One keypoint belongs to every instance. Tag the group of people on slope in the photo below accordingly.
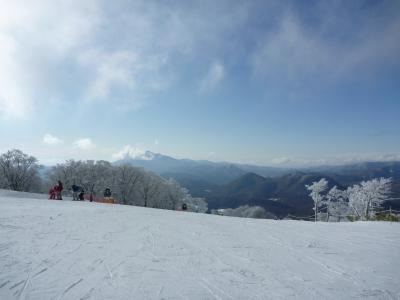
(78, 194)
(55, 191)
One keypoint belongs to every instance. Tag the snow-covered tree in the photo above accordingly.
(19, 171)
(97, 175)
(356, 202)
(366, 197)
(130, 185)
(174, 194)
(246, 211)
(317, 188)
(125, 183)
(196, 204)
(336, 203)
(69, 173)
(149, 188)
(376, 192)
(92, 176)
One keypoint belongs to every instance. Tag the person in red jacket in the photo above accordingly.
(52, 193)
(58, 189)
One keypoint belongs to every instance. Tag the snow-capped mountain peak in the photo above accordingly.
(143, 155)
(129, 152)
(148, 155)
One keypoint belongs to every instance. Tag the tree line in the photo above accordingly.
(360, 201)
(130, 185)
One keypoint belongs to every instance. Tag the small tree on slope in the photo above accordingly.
(366, 197)
(336, 203)
(316, 189)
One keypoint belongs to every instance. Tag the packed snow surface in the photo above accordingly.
(80, 250)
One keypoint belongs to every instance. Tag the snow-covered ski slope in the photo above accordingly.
(78, 250)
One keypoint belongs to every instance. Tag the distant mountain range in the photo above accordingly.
(214, 173)
(280, 191)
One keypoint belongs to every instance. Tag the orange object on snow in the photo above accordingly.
(109, 200)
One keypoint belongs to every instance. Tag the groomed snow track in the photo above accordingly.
(81, 250)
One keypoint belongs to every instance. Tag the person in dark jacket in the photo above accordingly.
(58, 189)
(75, 191)
(107, 192)
(82, 195)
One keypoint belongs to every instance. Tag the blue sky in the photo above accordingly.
(265, 82)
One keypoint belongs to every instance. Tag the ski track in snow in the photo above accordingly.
(81, 250)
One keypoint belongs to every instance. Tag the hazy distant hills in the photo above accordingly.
(278, 195)
(354, 173)
(195, 172)
(287, 194)
(279, 190)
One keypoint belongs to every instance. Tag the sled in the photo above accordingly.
(109, 200)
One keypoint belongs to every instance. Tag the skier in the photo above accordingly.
(82, 195)
(75, 190)
(184, 207)
(58, 189)
(107, 192)
(108, 196)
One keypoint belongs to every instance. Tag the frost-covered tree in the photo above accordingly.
(195, 204)
(376, 192)
(69, 173)
(97, 175)
(317, 188)
(3, 181)
(126, 179)
(149, 189)
(356, 200)
(174, 194)
(92, 176)
(336, 203)
(366, 197)
(246, 211)
(19, 171)
(130, 185)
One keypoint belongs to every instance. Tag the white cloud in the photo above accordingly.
(98, 51)
(122, 77)
(295, 54)
(84, 144)
(282, 160)
(133, 152)
(51, 140)
(13, 100)
(125, 53)
(34, 42)
(335, 160)
(112, 71)
(43, 54)
(128, 151)
(214, 76)
(210, 154)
